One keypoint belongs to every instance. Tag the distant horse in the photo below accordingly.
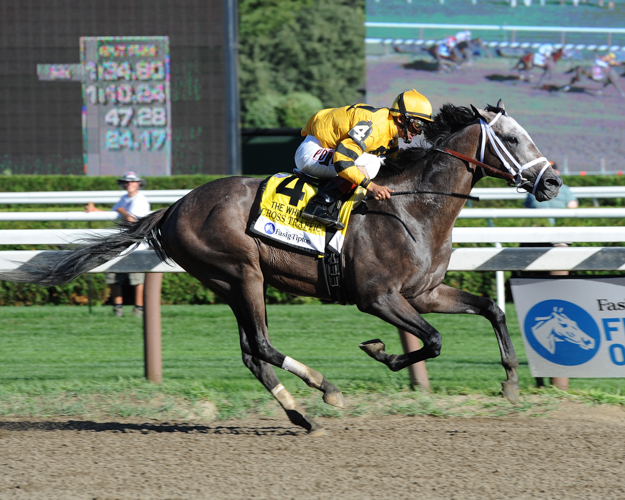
(447, 57)
(529, 61)
(558, 327)
(604, 75)
(395, 254)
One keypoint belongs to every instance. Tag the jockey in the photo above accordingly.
(544, 52)
(601, 66)
(348, 145)
(463, 36)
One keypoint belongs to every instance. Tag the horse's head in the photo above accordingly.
(558, 327)
(564, 328)
(507, 146)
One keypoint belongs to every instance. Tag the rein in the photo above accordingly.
(453, 195)
(497, 172)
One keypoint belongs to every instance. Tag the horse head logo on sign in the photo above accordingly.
(562, 332)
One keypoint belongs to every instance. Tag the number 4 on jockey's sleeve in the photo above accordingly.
(360, 137)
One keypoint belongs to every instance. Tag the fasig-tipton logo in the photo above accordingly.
(270, 228)
(562, 332)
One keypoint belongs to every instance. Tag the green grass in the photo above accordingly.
(65, 361)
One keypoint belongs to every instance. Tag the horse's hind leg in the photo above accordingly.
(297, 415)
(248, 304)
(445, 299)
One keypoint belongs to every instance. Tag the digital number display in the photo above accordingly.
(126, 111)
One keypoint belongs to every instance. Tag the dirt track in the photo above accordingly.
(576, 453)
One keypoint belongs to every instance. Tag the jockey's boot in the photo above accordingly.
(320, 206)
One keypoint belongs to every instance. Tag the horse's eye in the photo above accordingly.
(512, 139)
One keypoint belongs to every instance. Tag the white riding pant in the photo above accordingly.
(313, 159)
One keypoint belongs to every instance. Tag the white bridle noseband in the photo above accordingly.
(519, 181)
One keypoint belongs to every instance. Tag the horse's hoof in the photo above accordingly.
(373, 348)
(335, 399)
(510, 391)
(318, 432)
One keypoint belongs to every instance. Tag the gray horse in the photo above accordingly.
(395, 254)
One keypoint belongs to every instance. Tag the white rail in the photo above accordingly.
(80, 197)
(579, 192)
(494, 27)
(604, 234)
(502, 45)
(462, 259)
(467, 213)
(556, 213)
(58, 216)
(172, 195)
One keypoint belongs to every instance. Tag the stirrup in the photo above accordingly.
(319, 213)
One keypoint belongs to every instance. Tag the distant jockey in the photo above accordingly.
(543, 53)
(349, 145)
(443, 52)
(602, 65)
(463, 36)
(463, 48)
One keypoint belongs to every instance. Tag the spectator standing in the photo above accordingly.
(131, 206)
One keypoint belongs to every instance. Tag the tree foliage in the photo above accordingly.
(292, 48)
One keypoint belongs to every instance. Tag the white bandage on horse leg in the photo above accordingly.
(311, 377)
(370, 162)
(284, 397)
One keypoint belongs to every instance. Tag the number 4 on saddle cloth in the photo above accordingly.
(280, 216)
(280, 219)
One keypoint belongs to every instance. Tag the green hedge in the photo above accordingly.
(28, 183)
(183, 289)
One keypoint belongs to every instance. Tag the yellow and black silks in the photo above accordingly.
(280, 217)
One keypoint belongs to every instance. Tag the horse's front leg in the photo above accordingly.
(445, 299)
(395, 309)
(247, 301)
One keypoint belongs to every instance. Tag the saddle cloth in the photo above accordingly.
(280, 215)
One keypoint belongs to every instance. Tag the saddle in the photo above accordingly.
(331, 263)
(282, 200)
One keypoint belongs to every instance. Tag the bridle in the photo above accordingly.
(515, 171)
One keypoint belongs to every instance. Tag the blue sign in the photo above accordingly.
(562, 332)
(270, 228)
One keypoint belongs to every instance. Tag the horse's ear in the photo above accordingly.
(479, 113)
(500, 104)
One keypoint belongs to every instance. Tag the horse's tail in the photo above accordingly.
(59, 268)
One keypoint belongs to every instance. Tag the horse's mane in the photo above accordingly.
(449, 120)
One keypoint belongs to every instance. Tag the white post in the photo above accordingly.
(512, 3)
(501, 290)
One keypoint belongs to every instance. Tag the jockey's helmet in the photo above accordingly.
(413, 108)
(412, 105)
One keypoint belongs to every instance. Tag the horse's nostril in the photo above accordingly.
(553, 182)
